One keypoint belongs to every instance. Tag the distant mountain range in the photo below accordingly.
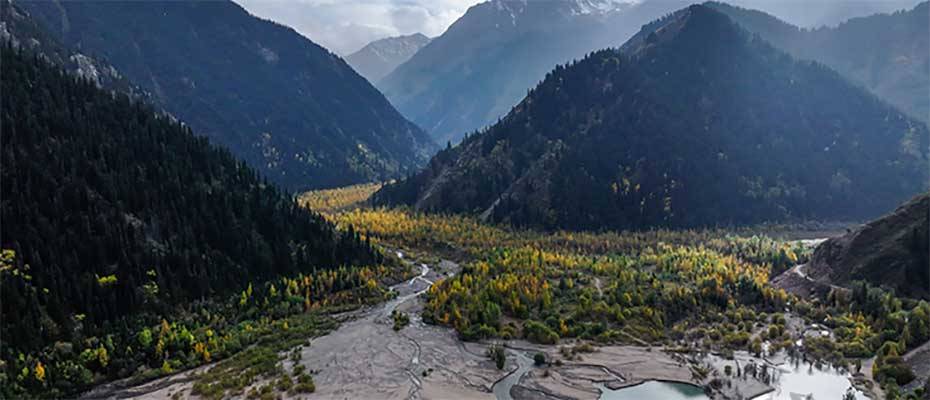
(816, 14)
(485, 62)
(380, 57)
(287, 106)
(482, 66)
(693, 122)
(886, 53)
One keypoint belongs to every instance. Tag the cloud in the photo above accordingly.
(344, 26)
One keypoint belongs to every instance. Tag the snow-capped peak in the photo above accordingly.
(569, 7)
(586, 7)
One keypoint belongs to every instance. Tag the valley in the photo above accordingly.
(591, 345)
(629, 199)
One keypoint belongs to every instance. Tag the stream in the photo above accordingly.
(390, 306)
(502, 387)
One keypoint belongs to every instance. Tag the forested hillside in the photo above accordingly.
(294, 111)
(115, 217)
(886, 53)
(892, 251)
(17, 27)
(695, 122)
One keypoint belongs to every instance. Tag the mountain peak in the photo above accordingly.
(381, 56)
(567, 7)
(697, 24)
(693, 124)
(586, 7)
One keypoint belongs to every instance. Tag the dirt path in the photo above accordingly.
(799, 271)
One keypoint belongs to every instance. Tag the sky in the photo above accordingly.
(344, 26)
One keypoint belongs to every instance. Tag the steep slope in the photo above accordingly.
(892, 251)
(694, 122)
(296, 112)
(17, 27)
(886, 53)
(485, 62)
(379, 58)
(113, 215)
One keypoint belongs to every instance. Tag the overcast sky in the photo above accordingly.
(345, 26)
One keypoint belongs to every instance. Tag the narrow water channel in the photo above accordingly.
(524, 364)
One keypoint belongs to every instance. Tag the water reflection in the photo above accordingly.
(799, 380)
(654, 390)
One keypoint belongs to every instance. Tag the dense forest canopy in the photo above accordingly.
(291, 109)
(693, 122)
(19, 28)
(113, 213)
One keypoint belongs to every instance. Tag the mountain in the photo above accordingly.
(379, 58)
(17, 27)
(886, 53)
(293, 110)
(485, 62)
(892, 251)
(816, 14)
(693, 122)
(114, 214)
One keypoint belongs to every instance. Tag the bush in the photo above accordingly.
(737, 339)
(284, 383)
(305, 384)
(497, 354)
(539, 359)
(401, 319)
(893, 368)
(478, 332)
(537, 332)
(856, 349)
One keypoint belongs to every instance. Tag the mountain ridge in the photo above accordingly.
(281, 102)
(892, 251)
(616, 140)
(380, 57)
(484, 63)
(885, 52)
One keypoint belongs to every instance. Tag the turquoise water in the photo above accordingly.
(655, 390)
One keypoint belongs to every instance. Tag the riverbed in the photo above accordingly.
(366, 358)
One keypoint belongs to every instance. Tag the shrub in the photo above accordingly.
(539, 358)
(401, 319)
(497, 354)
(537, 332)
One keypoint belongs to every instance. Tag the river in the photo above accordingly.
(524, 364)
